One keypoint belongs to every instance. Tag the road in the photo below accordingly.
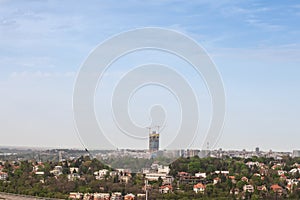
(5, 196)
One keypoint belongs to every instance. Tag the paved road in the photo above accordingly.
(4, 196)
(13, 197)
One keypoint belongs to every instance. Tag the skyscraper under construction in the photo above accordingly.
(153, 141)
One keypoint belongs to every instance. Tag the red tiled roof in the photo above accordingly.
(166, 186)
(276, 187)
(182, 173)
(199, 185)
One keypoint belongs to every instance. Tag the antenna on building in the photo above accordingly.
(158, 129)
(207, 146)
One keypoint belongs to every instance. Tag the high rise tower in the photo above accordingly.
(153, 141)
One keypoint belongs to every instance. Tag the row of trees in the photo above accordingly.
(23, 181)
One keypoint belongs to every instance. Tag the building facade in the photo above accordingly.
(153, 141)
(296, 154)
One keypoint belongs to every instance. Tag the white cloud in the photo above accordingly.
(264, 25)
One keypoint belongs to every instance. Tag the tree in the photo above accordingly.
(240, 184)
(160, 181)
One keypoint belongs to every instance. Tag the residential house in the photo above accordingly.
(73, 177)
(75, 195)
(248, 188)
(74, 170)
(125, 178)
(216, 180)
(164, 189)
(200, 175)
(116, 196)
(235, 191)
(245, 179)
(225, 173)
(232, 178)
(129, 196)
(101, 196)
(101, 174)
(251, 164)
(262, 188)
(277, 189)
(3, 176)
(199, 187)
(57, 170)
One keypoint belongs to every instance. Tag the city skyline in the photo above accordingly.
(254, 45)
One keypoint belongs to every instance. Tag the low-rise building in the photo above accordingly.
(225, 173)
(262, 188)
(164, 189)
(234, 191)
(201, 175)
(75, 195)
(277, 189)
(163, 169)
(232, 178)
(116, 196)
(125, 178)
(245, 179)
(73, 177)
(100, 174)
(74, 170)
(248, 188)
(216, 180)
(3, 176)
(101, 196)
(39, 173)
(294, 170)
(129, 196)
(155, 176)
(296, 153)
(199, 187)
(57, 170)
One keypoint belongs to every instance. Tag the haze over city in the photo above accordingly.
(254, 45)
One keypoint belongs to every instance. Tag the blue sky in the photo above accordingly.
(254, 44)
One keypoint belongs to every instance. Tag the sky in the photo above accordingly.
(255, 45)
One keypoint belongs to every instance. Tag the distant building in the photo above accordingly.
(153, 141)
(39, 173)
(204, 153)
(167, 179)
(277, 189)
(73, 177)
(75, 195)
(296, 154)
(248, 188)
(201, 175)
(199, 188)
(57, 170)
(74, 170)
(3, 176)
(129, 196)
(166, 189)
(101, 174)
(101, 196)
(116, 196)
(257, 150)
(216, 180)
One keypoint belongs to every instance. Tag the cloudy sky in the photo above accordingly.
(255, 46)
